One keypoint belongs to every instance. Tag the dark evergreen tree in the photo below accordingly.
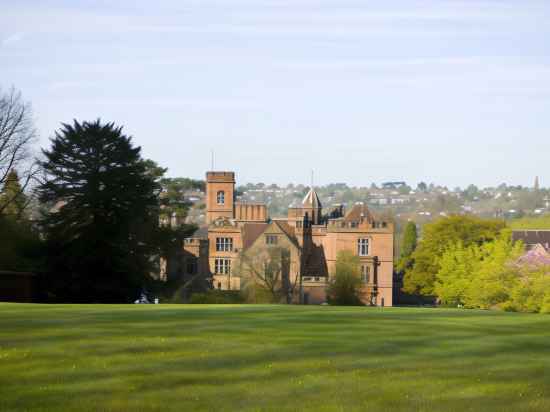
(408, 246)
(102, 231)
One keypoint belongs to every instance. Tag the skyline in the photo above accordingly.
(449, 92)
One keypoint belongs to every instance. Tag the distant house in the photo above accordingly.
(393, 185)
(532, 238)
(537, 246)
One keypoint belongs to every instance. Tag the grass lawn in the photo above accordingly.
(255, 358)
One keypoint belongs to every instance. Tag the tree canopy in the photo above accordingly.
(345, 286)
(104, 215)
(437, 238)
(408, 246)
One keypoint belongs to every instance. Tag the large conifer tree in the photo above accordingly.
(104, 213)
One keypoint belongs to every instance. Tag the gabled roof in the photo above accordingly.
(201, 232)
(287, 230)
(252, 231)
(357, 212)
(312, 200)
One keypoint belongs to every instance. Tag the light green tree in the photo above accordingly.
(478, 276)
(437, 238)
(345, 286)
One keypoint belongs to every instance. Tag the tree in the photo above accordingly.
(20, 246)
(408, 246)
(345, 286)
(13, 195)
(101, 231)
(480, 275)
(17, 136)
(266, 275)
(437, 238)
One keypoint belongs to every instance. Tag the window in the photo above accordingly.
(221, 197)
(363, 247)
(365, 273)
(222, 266)
(354, 224)
(224, 244)
(271, 239)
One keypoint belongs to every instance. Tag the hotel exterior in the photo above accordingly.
(312, 237)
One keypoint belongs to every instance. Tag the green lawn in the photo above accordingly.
(253, 358)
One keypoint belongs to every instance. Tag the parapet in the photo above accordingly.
(223, 177)
(251, 212)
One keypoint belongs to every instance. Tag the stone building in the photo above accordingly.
(313, 238)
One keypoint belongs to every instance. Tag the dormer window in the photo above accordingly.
(221, 197)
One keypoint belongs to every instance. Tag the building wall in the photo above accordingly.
(250, 212)
(216, 182)
(232, 231)
(319, 242)
(380, 246)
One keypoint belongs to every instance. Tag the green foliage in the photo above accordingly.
(345, 285)
(478, 276)
(102, 235)
(437, 238)
(12, 198)
(531, 291)
(215, 296)
(527, 223)
(408, 246)
(173, 198)
(20, 246)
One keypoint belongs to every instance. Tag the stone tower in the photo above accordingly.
(220, 195)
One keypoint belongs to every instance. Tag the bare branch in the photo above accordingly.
(17, 137)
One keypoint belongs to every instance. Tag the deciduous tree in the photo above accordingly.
(17, 138)
(345, 286)
(437, 238)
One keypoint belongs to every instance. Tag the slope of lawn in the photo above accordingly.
(255, 358)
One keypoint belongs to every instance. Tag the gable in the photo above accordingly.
(274, 228)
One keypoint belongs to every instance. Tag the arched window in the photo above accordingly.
(221, 197)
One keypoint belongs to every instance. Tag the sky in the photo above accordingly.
(444, 91)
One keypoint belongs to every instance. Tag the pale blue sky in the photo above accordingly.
(452, 92)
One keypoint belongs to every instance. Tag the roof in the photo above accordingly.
(252, 231)
(201, 232)
(533, 237)
(287, 230)
(312, 200)
(358, 211)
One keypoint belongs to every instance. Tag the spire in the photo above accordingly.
(312, 200)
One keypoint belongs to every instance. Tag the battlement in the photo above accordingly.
(222, 177)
